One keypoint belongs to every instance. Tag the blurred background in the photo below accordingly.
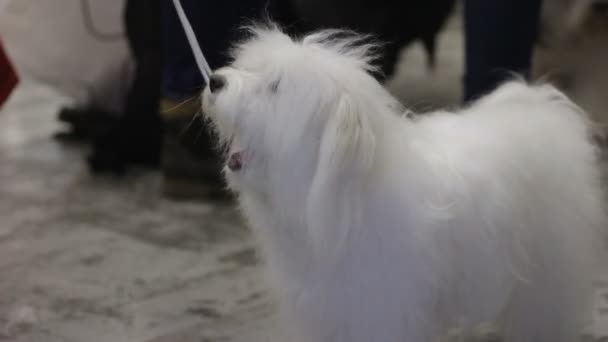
(114, 222)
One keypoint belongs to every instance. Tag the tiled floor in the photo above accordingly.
(86, 259)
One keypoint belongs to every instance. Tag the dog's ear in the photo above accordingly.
(346, 158)
(348, 143)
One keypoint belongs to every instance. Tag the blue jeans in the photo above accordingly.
(215, 24)
(500, 37)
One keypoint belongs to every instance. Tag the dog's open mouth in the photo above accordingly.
(235, 161)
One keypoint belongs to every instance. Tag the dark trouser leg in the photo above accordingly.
(135, 138)
(181, 77)
(191, 166)
(142, 120)
(500, 36)
(216, 24)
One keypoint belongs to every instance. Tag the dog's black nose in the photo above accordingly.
(216, 82)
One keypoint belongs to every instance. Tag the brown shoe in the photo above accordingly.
(190, 163)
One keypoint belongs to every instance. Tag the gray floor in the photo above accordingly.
(102, 259)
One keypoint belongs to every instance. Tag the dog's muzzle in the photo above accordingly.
(216, 83)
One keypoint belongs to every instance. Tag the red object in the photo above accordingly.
(8, 77)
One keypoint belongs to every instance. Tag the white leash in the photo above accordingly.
(203, 66)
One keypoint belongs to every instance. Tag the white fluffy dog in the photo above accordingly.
(377, 227)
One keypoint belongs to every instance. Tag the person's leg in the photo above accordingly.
(8, 76)
(500, 36)
(135, 137)
(216, 24)
(191, 166)
(181, 77)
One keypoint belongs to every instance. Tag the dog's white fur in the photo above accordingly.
(377, 227)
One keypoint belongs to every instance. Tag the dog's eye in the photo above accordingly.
(274, 86)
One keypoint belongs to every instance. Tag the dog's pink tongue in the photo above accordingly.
(235, 161)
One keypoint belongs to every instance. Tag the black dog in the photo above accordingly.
(395, 22)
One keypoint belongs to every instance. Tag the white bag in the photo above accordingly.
(50, 41)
